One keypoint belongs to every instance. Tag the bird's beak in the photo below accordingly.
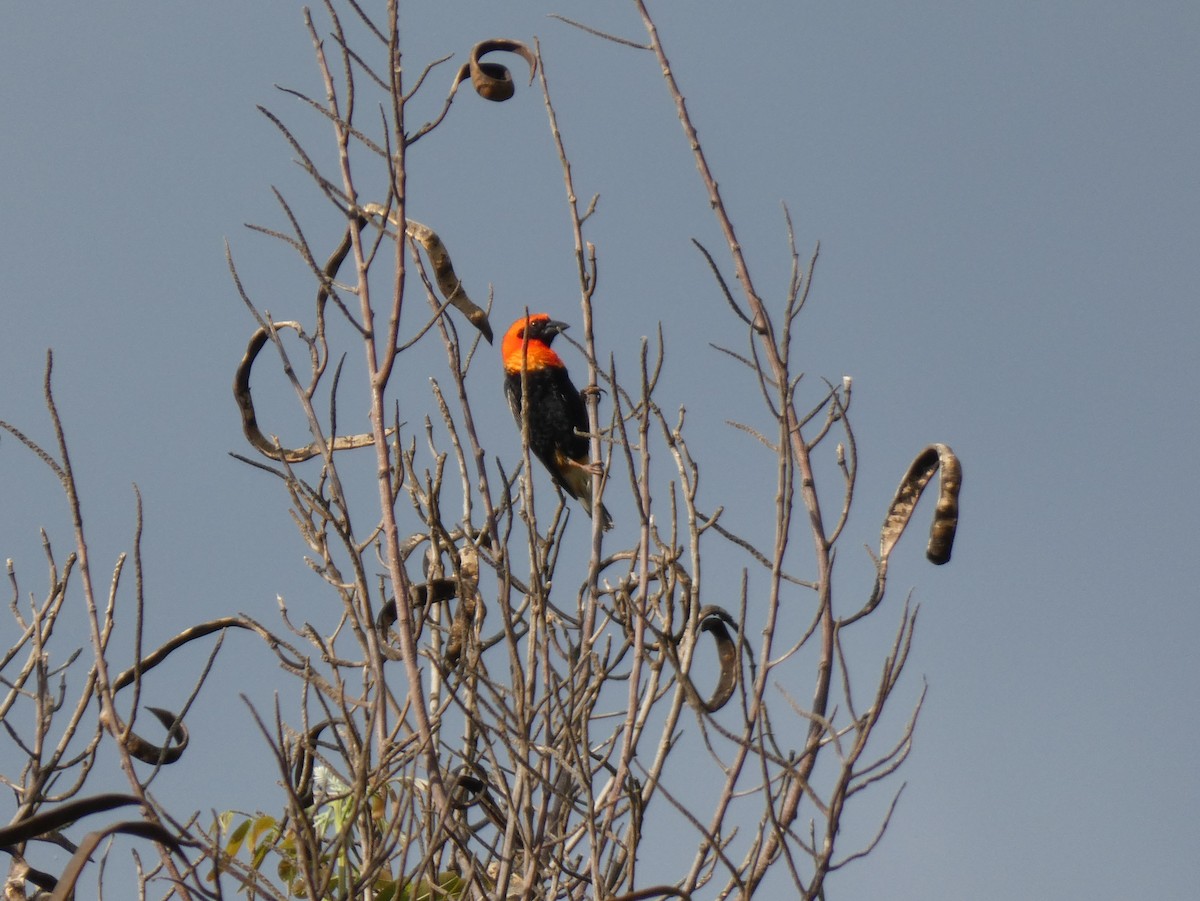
(555, 327)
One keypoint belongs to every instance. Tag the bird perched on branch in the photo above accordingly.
(557, 415)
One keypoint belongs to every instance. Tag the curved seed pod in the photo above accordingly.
(200, 630)
(48, 821)
(137, 828)
(448, 282)
(245, 402)
(715, 621)
(492, 81)
(435, 591)
(945, 516)
(20, 872)
(468, 605)
(302, 770)
(655, 891)
(469, 786)
(148, 752)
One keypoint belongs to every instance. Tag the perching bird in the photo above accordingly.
(557, 414)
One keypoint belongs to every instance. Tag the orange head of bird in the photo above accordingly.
(529, 338)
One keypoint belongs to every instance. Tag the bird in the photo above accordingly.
(557, 415)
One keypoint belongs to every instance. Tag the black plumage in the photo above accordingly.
(558, 420)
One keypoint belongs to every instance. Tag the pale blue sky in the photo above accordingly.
(1008, 206)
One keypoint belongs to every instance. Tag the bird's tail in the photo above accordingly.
(576, 478)
(583, 491)
(606, 521)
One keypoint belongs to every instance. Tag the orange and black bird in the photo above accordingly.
(557, 415)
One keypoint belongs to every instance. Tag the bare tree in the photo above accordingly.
(488, 718)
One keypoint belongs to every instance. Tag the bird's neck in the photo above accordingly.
(538, 355)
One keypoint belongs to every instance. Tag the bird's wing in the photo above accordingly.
(512, 393)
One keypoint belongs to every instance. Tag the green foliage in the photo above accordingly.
(338, 822)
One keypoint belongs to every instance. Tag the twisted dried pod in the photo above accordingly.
(65, 889)
(245, 401)
(493, 81)
(945, 515)
(30, 827)
(470, 786)
(302, 770)
(464, 586)
(435, 591)
(62, 887)
(448, 282)
(148, 752)
(716, 622)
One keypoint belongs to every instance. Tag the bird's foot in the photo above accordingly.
(592, 469)
(590, 390)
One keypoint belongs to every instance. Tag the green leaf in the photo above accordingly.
(234, 845)
(263, 824)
